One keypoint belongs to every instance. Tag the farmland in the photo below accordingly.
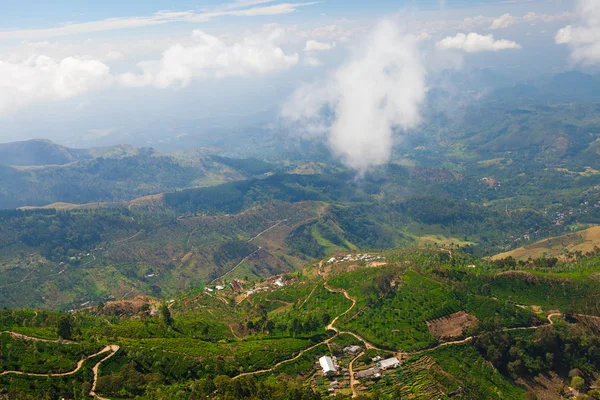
(276, 331)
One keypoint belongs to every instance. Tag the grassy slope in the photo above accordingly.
(583, 241)
(211, 334)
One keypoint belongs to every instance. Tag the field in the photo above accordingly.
(584, 241)
(452, 325)
(457, 329)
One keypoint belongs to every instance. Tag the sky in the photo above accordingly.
(86, 73)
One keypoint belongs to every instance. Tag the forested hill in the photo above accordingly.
(38, 152)
(159, 246)
(115, 174)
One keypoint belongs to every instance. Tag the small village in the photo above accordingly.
(333, 373)
(355, 258)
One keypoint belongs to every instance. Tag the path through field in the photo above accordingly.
(113, 349)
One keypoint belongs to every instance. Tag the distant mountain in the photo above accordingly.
(39, 172)
(571, 86)
(39, 152)
(575, 86)
(574, 80)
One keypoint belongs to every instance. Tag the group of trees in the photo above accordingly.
(61, 235)
(550, 348)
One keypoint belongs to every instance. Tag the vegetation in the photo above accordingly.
(226, 344)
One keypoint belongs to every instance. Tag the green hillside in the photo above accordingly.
(263, 337)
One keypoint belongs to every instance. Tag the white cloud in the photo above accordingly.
(209, 57)
(376, 92)
(245, 3)
(535, 17)
(312, 61)
(507, 20)
(583, 37)
(423, 36)
(504, 21)
(474, 22)
(340, 32)
(474, 42)
(313, 45)
(44, 78)
(32, 76)
(159, 18)
(114, 56)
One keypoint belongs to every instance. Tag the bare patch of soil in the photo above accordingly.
(452, 325)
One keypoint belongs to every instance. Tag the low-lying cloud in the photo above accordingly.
(583, 37)
(474, 42)
(377, 92)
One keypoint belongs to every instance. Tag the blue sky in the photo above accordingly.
(70, 63)
(42, 14)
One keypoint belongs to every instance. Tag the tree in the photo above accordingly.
(577, 383)
(64, 328)
(166, 315)
(270, 326)
(295, 327)
(145, 313)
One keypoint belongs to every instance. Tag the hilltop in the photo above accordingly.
(563, 246)
(38, 173)
(38, 152)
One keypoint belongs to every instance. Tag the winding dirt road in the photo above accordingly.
(353, 381)
(469, 338)
(113, 349)
(24, 337)
(262, 371)
(331, 327)
(267, 230)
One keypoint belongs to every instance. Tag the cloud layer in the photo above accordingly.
(378, 91)
(42, 78)
(37, 78)
(584, 37)
(212, 58)
(474, 42)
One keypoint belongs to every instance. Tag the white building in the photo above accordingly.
(327, 365)
(389, 363)
(354, 349)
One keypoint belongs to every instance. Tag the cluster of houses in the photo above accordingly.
(332, 370)
(329, 365)
(357, 257)
(375, 372)
(237, 286)
(277, 282)
(354, 349)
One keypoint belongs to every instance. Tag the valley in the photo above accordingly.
(465, 267)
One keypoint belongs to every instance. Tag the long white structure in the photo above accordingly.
(327, 365)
